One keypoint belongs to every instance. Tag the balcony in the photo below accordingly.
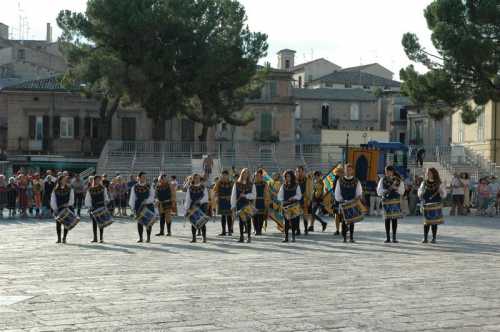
(267, 136)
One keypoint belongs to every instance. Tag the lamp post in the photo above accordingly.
(346, 157)
(364, 137)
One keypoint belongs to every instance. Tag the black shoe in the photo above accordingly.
(433, 241)
(241, 240)
(230, 234)
(64, 241)
(387, 241)
(102, 241)
(293, 240)
(395, 241)
(204, 240)
(345, 240)
(169, 234)
(337, 233)
(193, 241)
(249, 240)
(160, 234)
(425, 241)
(58, 241)
(285, 241)
(352, 241)
(298, 233)
(139, 241)
(93, 241)
(148, 240)
(222, 234)
(323, 227)
(310, 229)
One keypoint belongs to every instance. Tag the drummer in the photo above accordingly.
(62, 197)
(165, 204)
(197, 197)
(290, 193)
(391, 187)
(262, 201)
(432, 190)
(142, 194)
(242, 195)
(348, 188)
(97, 197)
(222, 190)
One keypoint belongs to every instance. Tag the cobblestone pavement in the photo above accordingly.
(315, 284)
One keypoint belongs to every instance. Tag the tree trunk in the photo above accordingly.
(204, 133)
(106, 113)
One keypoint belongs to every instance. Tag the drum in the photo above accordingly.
(247, 212)
(351, 211)
(392, 208)
(197, 217)
(433, 214)
(67, 218)
(292, 211)
(102, 217)
(146, 216)
(165, 207)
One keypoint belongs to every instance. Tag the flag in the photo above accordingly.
(329, 181)
(274, 211)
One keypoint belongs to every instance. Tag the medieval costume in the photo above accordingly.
(347, 189)
(391, 188)
(222, 191)
(142, 195)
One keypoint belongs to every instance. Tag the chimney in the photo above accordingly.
(49, 33)
(4, 31)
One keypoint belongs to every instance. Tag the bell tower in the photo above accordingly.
(286, 59)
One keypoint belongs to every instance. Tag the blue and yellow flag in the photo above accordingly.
(329, 181)
(275, 209)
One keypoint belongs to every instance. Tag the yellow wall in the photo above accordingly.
(355, 136)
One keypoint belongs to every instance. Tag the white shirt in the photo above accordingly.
(149, 200)
(281, 194)
(250, 196)
(457, 187)
(88, 198)
(338, 191)
(204, 199)
(381, 191)
(53, 200)
(442, 190)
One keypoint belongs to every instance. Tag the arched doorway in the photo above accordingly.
(362, 168)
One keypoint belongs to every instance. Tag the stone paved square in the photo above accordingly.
(316, 284)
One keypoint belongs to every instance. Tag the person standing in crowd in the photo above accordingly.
(3, 194)
(262, 201)
(12, 197)
(174, 183)
(22, 188)
(375, 200)
(223, 189)
(48, 188)
(97, 197)
(305, 183)
(289, 194)
(494, 190)
(464, 177)
(79, 189)
(62, 197)
(484, 196)
(339, 173)
(242, 195)
(164, 202)
(208, 165)
(420, 157)
(29, 192)
(197, 197)
(432, 190)
(458, 193)
(317, 201)
(142, 195)
(348, 188)
(37, 194)
(391, 187)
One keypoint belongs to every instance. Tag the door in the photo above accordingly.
(187, 133)
(128, 129)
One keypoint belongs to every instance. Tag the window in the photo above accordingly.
(287, 64)
(480, 126)
(21, 55)
(298, 112)
(354, 112)
(460, 130)
(274, 89)
(266, 124)
(325, 116)
(67, 128)
(402, 138)
(403, 114)
(348, 85)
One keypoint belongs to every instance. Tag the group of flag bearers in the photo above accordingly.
(300, 196)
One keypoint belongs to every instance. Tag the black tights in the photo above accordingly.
(258, 223)
(163, 221)
(140, 230)
(58, 230)
(226, 220)
(344, 230)
(434, 231)
(294, 225)
(203, 232)
(388, 228)
(245, 225)
(94, 230)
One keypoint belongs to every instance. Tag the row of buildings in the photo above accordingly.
(313, 103)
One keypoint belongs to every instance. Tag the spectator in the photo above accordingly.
(11, 196)
(494, 190)
(464, 177)
(208, 165)
(3, 194)
(458, 193)
(79, 191)
(484, 194)
(420, 157)
(375, 199)
(174, 183)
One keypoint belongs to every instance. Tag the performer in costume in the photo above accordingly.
(96, 197)
(290, 194)
(347, 189)
(317, 201)
(3, 194)
(262, 201)
(197, 196)
(11, 194)
(391, 187)
(222, 191)
(242, 195)
(306, 189)
(62, 197)
(164, 202)
(142, 194)
(37, 194)
(48, 188)
(432, 190)
(339, 172)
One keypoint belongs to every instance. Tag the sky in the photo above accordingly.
(346, 32)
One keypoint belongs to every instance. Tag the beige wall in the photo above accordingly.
(317, 69)
(355, 137)
(378, 70)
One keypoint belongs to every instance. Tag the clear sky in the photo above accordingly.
(346, 32)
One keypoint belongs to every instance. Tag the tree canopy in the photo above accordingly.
(193, 58)
(466, 35)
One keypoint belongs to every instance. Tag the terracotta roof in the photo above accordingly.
(357, 78)
(334, 94)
